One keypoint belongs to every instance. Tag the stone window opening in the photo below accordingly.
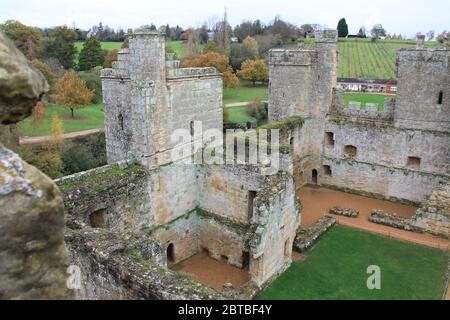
(441, 97)
(414, 162)
(192, 129)
(97, 219)
(327, 171)
(329, 139)
(350, 151)
(170, 253)
(314, 176)
(224, 258)
(245, 259)
(291, 141)
(121, 121)
(205, 251)
(251, 199)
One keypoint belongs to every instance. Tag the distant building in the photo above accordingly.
(365, 85)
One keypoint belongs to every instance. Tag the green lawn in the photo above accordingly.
(366, 98)
(239, 115)
(87, 118)
(336, 269)
(245, 92)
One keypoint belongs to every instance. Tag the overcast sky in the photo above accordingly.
(397, 16)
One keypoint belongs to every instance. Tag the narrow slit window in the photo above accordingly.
(440, 97)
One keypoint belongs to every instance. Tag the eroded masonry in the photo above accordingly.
(131, 220)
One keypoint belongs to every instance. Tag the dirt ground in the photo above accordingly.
(318, 201)
(211, 272)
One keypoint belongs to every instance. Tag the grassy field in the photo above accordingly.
(336, 269)
(366, 98)
(245, 92)
(87, 118)
(239, 115)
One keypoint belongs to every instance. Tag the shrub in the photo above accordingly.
(257, 110)
(93, 83)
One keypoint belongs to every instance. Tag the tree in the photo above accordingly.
(377, 31)
(216, 60)
(210, 46)
(362, 33)
(93, 83)
(56, 140)
(222, 36)
(46, 71)
(254, 70)
(71, 92)
(61, 45)
(193, 44)
(252, 47)
(38, 114)
(342, 28)
(27, 39)
(91, 55)
(111, 56)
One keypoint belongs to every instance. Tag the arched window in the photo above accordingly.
(314, 176)
(170, 253)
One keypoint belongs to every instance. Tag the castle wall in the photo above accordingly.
(224, 190)
(277, 217)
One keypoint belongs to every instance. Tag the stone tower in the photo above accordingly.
(423, 98)
(148, 96)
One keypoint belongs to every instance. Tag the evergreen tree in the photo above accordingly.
(342, 28)
(91, 55)
(61, 45)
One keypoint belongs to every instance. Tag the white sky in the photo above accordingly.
(397, 16)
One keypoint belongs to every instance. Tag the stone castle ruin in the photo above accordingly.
(130, 221)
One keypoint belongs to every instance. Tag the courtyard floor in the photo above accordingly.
(211, 272)
(317, 202)
(337, 268)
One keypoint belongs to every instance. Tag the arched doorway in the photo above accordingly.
(314, 176)
(170, 253)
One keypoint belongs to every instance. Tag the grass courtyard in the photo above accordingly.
(365, 98)
(239, 115)
(336, 268)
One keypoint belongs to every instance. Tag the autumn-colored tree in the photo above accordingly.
(71, 92)
(46, 71)
(55, 143)
(210, 46)
(216, 60)
(251, 46)
(27, 39)
(38, 114)
(254, 70)
(110, 58)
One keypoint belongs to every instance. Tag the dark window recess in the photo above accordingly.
(314, 176)
(121, 121)
(441, 97)
(329, 139)
(414, 162)
(170, 253)
(97, 218)
(327, 171)
(192, 129)
(291, 141)
(350, 151)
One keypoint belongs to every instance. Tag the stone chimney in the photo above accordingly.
(420, 44)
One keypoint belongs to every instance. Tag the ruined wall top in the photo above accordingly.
(326, 35)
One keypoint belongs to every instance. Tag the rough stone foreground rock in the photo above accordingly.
(344, 212)
(306, 238)
(392, 220)
(33, 256)
(21, 87)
